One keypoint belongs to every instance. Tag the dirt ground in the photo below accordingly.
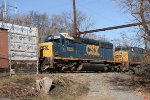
(114, 86)
(76, 86)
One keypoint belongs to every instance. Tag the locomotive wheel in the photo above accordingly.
(42, 67)
(73, 69)
(105, 69)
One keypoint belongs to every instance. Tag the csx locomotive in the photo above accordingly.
(61, 52)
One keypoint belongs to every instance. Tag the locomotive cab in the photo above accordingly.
(121, 56)
(46, 52)
(49, 49)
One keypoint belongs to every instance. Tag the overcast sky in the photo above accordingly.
(103, 13)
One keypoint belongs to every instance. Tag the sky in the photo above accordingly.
(104, 13)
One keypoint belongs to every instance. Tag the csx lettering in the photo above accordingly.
(44, 47)
(92, 50)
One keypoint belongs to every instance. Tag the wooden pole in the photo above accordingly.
(75, 18)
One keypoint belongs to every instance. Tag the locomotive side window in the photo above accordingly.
(57, 40)
(48, 39)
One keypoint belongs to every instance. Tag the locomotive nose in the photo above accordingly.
(46, 56)
(46, 50)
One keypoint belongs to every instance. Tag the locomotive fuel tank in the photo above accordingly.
(92, 67)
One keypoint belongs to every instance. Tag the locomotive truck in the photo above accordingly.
(62, 52)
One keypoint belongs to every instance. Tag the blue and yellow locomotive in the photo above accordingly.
(62, 52)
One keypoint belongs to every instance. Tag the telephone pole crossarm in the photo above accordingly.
(114, 27)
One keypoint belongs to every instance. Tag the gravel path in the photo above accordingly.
(102, 89)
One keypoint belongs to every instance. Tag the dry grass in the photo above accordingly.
(23, 87)
(133, 82)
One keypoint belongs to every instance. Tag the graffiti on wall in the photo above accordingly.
(22, 42)
(23, 56)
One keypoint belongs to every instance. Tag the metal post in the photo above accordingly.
(37, 63)
(5, 10)
(9, 51)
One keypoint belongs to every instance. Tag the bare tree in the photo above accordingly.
(132, 40)
(140, 10)
(64, 22)
(52, 24)
(83, 22)
(33, 19)
(95, 37)
(57, 24)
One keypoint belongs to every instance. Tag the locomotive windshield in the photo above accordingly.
(47, 39)
(51, 38)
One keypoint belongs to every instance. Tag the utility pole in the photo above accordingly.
(75, 18)
(5, 10)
